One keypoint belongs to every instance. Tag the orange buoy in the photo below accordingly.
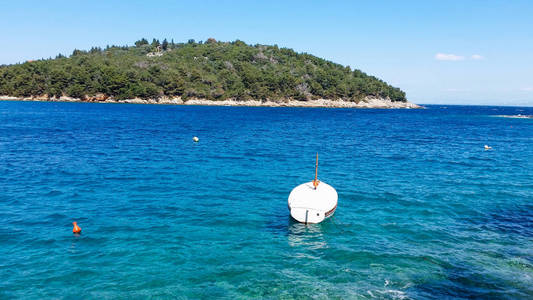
(76, 229)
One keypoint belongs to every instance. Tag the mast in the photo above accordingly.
(315, 182)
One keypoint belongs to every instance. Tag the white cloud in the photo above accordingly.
(527, 89)
(455, 57)
(448, 57)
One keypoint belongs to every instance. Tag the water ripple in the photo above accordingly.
(424, 211)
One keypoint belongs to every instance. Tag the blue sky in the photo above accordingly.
(456, 52)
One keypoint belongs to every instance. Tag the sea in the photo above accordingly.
(424, 210)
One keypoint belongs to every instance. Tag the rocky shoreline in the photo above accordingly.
(368, 102)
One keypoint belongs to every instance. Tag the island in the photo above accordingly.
(197, 73)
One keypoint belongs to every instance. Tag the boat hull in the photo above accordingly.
(309, 205)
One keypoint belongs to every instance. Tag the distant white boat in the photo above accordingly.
(313, 201)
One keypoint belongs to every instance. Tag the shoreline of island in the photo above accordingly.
(367, 102)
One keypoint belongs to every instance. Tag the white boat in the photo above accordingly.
(313, 201)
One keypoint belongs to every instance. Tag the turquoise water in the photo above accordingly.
(424, 211)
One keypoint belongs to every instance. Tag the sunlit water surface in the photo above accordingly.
(424, 211)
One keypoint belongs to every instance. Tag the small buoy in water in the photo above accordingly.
(487, 147)
(76, 229)
(195, 139)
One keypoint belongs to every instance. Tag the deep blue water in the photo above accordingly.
(424, 211)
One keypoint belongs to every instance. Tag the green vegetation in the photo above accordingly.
(211, 70)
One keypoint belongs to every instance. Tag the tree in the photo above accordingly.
(95, 50)
(164, 45)
(77, 52)
(155, 43)
(141, 42)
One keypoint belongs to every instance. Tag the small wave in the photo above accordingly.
(121, 178)
(56, 216)
(54, 193)
(388, 293)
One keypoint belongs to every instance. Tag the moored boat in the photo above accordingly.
(313, 201)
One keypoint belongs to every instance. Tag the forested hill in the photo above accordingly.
(211, 70)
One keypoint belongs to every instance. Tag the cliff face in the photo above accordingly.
(213, 71)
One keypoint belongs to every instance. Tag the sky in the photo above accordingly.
(449, 52)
